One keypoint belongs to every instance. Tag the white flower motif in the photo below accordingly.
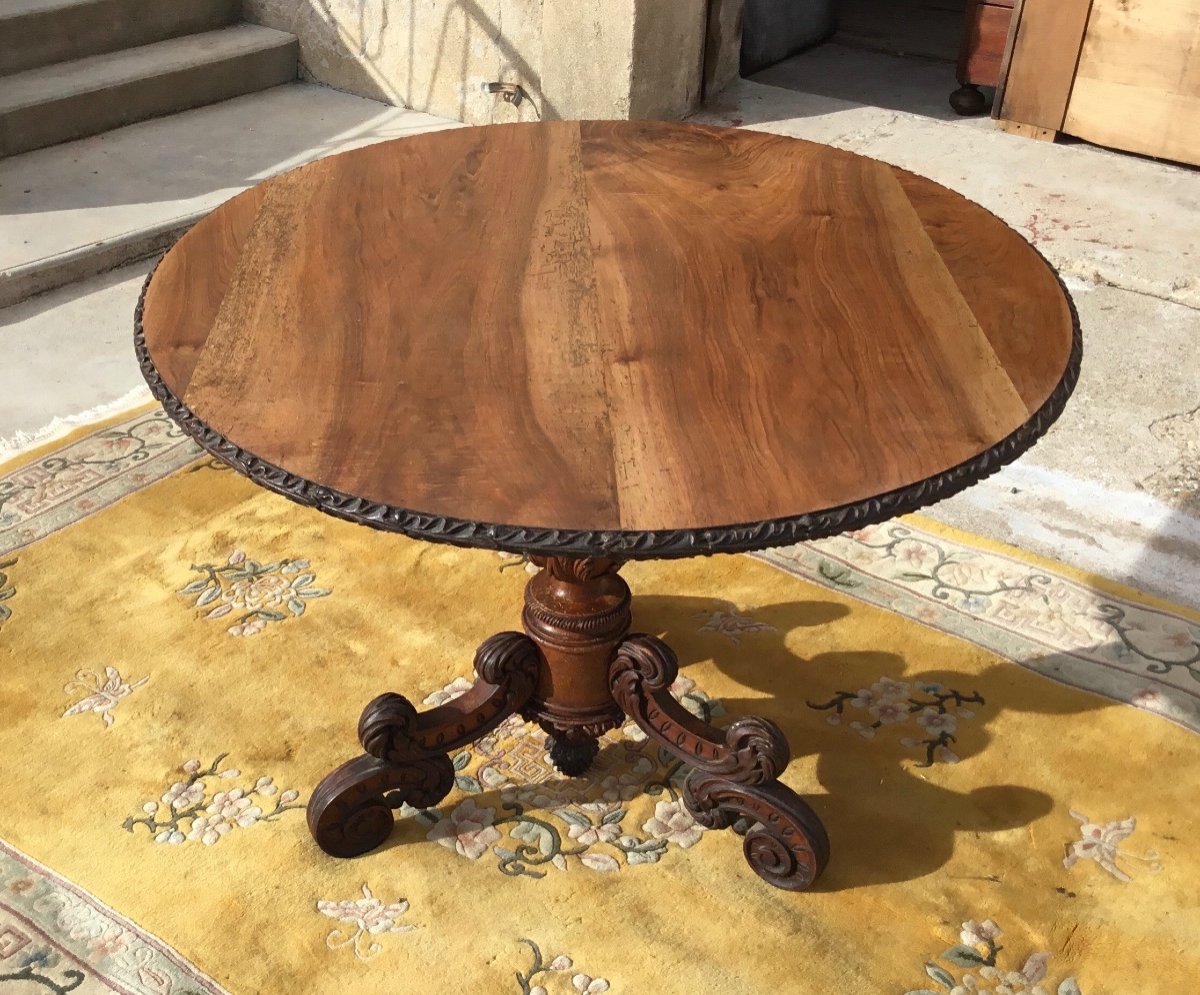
(935, 722)
(589, 986)
(1099, 842)
(250, 628)
(865, 698)
(256, 593)
(673, 822)
(590, 835)
(890, 690)
(623, 787)
(731, 624)
(233, 806)
(890, 712)
(208, 830)
(468, 830)
(100, 696)
(180, 795)
(979, 933)
(369, 916)
(456, 687)
(561, 963)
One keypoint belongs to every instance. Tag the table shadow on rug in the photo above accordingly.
(882, 804)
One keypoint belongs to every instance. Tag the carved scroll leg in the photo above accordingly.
(408, 758)
(735, 783)
(785, 843)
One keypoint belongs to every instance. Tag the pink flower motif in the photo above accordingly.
(731, 624)
(468, 829)
(890, 690)
(590, 835)
(890, 712)
(250, 628)
(682, 686)
(1150, 699)
(1100, 842)
(673, 822)
(979, 933)
(458, 686)
(913, 554)
(109, 944)
(368, 917)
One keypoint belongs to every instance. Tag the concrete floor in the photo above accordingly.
(1113, 489)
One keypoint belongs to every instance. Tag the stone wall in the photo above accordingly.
(575, 58)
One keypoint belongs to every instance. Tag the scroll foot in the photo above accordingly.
(785, 843)
(407, 752)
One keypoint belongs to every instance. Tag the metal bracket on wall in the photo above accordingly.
(513, 93)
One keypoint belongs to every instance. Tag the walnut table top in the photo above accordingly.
(629, 339)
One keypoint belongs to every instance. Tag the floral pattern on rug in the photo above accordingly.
(551, 976)
(370, 917)
(1046, 622)
(100, 695)
(626, 810)
(194, 810)
(978, 953)
(260, 592)
(7, 590)
(88, 475)
(889, 702)
(731, 623)
(56, 938)
(1101, 842)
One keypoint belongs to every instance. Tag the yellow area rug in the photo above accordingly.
(1002, 749)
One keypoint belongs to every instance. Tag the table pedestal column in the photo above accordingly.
(577, 672)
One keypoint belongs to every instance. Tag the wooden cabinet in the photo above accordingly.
(985, 35)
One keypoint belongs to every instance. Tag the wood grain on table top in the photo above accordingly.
(607, 325)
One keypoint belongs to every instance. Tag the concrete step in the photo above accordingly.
(37, 33)
(78, 209)
(41, 107)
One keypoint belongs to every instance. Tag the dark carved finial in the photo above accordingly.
(572, 756)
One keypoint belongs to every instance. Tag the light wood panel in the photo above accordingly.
(1045, 53)
(1138, 81)
(608, 325)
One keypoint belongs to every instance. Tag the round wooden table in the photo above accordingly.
(591, 343)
